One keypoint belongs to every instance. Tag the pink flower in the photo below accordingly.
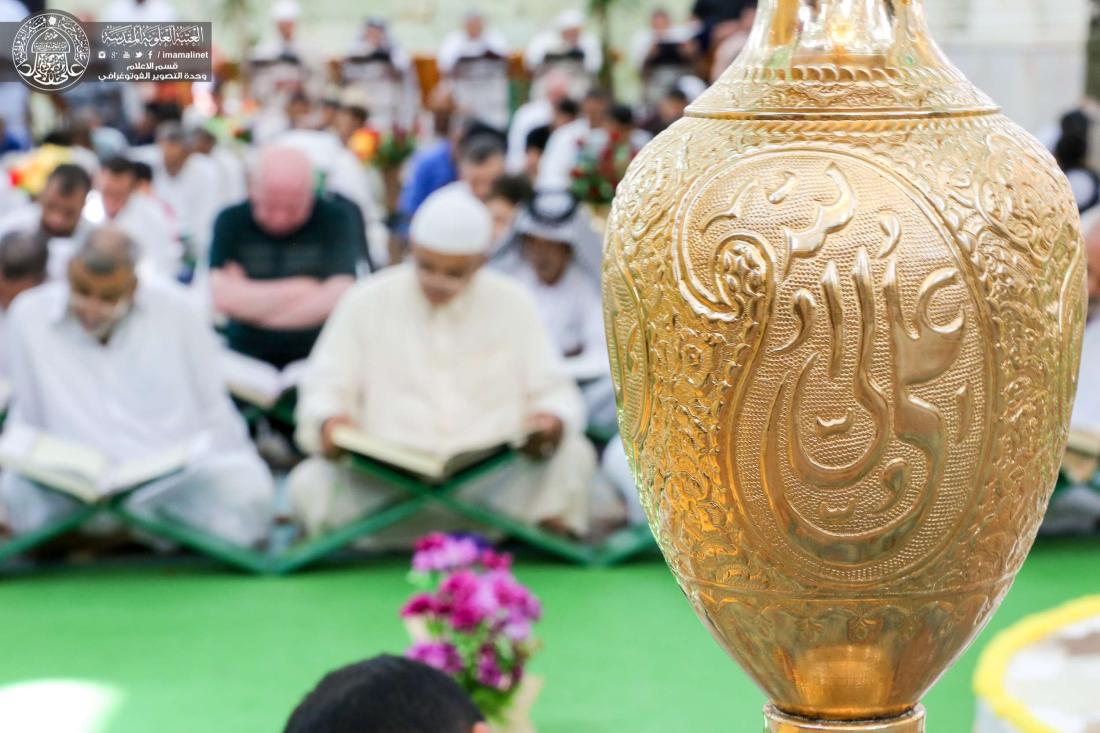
(496, 560)
(488, 669)
(437, 654)
(440, 553)
(422, 604)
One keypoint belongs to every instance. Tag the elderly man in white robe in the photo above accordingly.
(129, 370)
(440, 354)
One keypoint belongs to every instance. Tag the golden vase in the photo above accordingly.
(844, 303)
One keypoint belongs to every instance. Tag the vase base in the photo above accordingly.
(779, 722)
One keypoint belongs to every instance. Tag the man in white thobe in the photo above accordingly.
(189, 183)
(23, 257)
(566, 47)
(551, 229)
(441, 355)
(130, 370)
(474, 62)
(57, 216)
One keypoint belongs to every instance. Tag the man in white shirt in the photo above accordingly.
(188, 182)
(566, 47)
(57, 215)
(130, 370)
(117, 200)
(441, 355)
(474, 62)
(551, 229)
(539, 112)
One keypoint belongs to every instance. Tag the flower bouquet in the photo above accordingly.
(393, 149)
(598, 171)
(473, 620)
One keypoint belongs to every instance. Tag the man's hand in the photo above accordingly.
(328, 447)
(545, 433)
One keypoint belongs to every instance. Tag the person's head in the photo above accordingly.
(556, 85)
(549, 227)
(62, 199)
(450, 235)
(595, 107)
(571, 24)
(102, 280)
(175, 145)
(204, 141)
(281, 190)
(1072, 148)
(116, 182)
(23, 258)
(565, 111)
(748, 17)
(298, 110)
(375, 33)
(480, 162)
(143, 176)
(285, 13)
(534, 147)
(1090, 228)
(348, 119)
(386, 695)
(660, 21)
(474, 24)
(507, 194)
(620, 122)
(672, 106)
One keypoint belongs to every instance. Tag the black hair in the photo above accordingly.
(568, 107)
(514, 189)
(623, 115)
(70, 179)
(677, 95)
(358, 112)
(481, 147)
(596, 94)
(23, 254)
(385, 695)
(537, 138)
(1072, 149)
(142, 171)
(118, 165)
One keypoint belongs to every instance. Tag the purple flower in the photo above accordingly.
(517, 630)
(488, 669)
(441, 553)
(437, 654)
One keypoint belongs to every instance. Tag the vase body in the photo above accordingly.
(844, 300)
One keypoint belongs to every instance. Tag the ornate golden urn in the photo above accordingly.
(844, 302)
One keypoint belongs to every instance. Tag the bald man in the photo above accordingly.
(130, 369)
(281, 260)
(441, 355)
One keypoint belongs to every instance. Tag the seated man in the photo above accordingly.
(386, 695)
(139, 215)
(130, 371)
(23, 257)
(550, 228)
(57, 215)
(281, 260)
(440, 355)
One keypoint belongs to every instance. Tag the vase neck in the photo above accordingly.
(841, 58)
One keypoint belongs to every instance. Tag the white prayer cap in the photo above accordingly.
(285, 10)
(570, 19)
(452, 221)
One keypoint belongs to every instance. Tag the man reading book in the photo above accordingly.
(439, 355)
(129, 371)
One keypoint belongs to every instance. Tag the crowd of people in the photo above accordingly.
(443, 302)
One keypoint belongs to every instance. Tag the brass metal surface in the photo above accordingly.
(778, 722)
(844, 301)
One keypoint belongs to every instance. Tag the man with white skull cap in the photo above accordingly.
(442, 355)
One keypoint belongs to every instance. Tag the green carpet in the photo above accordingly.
(190, 648)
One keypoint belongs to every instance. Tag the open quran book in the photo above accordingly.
(257, 382)
(432, 467)
(80, 470)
